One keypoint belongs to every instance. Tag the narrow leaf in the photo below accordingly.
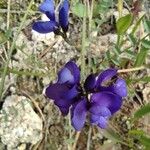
(140, 58)
(145, 141)
(132, 39)
(145, 79)
(146, 43)
(136, 132)
(137, 24)
(123, 24)
(147, 25)
(142, 111)
(79, 9)
(110, 133)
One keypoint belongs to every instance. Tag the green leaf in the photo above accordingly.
(142, 111)
(117, 50)
(140, 58)
(136, 132)
(146, 43)
(147, 25)
(110, 133)
(104, 5)
(123, 24)
(132, 39)
(140, 135)
(137, 24)
(145, 79)
(145, 141)
(79, 9)
(3, 38)
(69, 141)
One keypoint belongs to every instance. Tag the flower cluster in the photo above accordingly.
(100, 98)
(57, 18)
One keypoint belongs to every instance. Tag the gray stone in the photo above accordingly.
(19, 122)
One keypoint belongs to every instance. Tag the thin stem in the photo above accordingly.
(8, 22)
(120, 7)
(89, 139)
(26, 73)
(76, 140)
(18, 11)
(131, 69)
(83, 44)
(11, 50)
(90, 15)
(70, 130)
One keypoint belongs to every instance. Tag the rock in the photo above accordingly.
(101, 44)
(19, 122)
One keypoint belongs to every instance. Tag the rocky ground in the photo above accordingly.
(30, 121)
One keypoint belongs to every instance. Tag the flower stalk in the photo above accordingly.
(83, 48)
(131, 69)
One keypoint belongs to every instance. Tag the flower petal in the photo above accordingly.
(90, 82)
(71, 93)
(100, 110)
(45, 26)
(105, 75)
(78, 114)
(102, 123)
(74, 71)
(63, 15)
(62, 95)
(64, 75)
(94, 119)
(120, 87)
(64, 110)
(47, 7)
(107, 99)
(56, 91)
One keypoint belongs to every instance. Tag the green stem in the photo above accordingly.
(11, 50)
(26, 73)
(90, 16)
(83, 44)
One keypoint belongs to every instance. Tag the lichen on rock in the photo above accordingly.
(19, 122)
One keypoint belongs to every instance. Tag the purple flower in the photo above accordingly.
(65, 90)
(102, 96)
(47, 7)
(104, 100)
(78, 114)
(63, 15)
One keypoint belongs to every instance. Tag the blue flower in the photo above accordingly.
(65, 90)
(102, 96)
(47, 7)
(104, 100)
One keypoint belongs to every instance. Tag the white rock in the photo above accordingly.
(19, 122)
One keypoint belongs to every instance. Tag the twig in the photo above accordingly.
(131, 69)
(70, 131)
(76, 140)
(35, 104)
(89, 139)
